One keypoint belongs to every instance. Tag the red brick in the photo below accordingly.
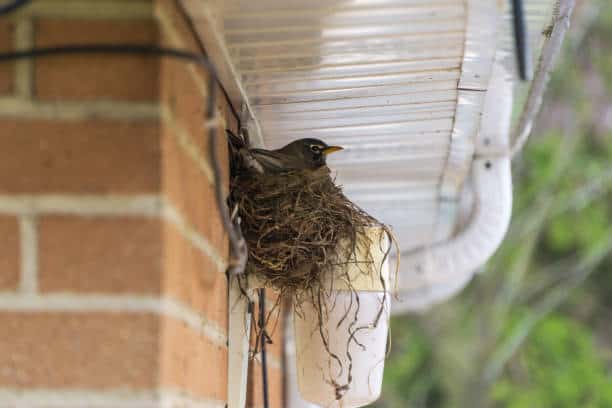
(9, 253)
(190, 191)
(188, 110)
(255, 387)
(191, 362)
(168, 8)
(94, 156)
(192, 278)
(87, 77)
(7, 70)
(100, 254)
(179, 94)
(181, 91)
(78, 350)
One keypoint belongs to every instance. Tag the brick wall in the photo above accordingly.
(112, 254)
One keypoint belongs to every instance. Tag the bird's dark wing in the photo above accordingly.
(270, 160)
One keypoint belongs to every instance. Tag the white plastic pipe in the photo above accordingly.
(317, 370)
(351, 324)
(432, 274)
(446, 268)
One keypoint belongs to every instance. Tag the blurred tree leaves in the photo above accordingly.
(562, 368)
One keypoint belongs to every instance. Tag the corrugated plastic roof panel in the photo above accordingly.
(378, 77)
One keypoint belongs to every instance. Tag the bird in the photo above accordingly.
(301, 154)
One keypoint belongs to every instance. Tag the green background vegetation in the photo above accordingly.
(535, 329)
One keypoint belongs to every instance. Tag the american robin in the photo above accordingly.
(301, 154)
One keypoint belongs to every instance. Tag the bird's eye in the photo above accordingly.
(315, 148)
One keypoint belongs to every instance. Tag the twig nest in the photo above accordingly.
(306, 239)
(294, 223)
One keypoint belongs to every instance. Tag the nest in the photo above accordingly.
(294, 223)
(300, 230)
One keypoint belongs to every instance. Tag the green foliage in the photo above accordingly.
(578, 230)
(410, 378)
(559, 367)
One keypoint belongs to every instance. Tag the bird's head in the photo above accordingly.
(311, 153)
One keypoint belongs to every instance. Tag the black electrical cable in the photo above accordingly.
(520, 40)
(12, 5)
(131, 49)
(263, 340)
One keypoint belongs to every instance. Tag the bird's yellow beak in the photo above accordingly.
(332, 149)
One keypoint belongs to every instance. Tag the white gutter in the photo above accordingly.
(436, 272)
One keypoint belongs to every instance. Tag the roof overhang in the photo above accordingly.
(418, 91)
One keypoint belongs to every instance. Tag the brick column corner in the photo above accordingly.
(112, 252)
